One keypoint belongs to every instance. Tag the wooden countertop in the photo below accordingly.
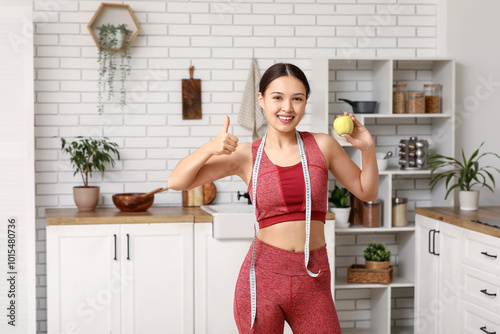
(453, 215)
(155, 214)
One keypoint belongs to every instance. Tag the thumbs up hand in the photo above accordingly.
(225, 143)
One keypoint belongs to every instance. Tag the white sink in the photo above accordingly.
(231, 221)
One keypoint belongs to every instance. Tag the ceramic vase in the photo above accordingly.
(469, 200)
(341, 216)
(86, 199)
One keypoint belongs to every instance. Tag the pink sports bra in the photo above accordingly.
(281, 190)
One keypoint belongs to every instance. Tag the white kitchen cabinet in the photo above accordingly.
(440, 285)
(450, 277)
(217, 266)
(158, 259)
(426, 278)
(120, 278)
(481, 283)
(83, 279)
(372, 79)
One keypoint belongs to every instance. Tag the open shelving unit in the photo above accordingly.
(368, 80)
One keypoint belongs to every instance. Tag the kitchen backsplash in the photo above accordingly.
(218, 39)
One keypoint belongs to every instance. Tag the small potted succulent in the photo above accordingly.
(377, 257)
(89, 154)
(339, 197)
(468, 173)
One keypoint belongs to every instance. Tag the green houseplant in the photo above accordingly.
(113, 40)
(377, 256)
(339, 197)
(87, 155)
(467, 173)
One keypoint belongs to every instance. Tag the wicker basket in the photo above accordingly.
(357, 273)
(377, 265)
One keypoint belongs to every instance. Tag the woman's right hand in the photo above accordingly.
(225, 143)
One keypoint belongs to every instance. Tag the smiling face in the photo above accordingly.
(284, 103)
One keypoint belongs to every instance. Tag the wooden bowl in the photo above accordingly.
(133, 202)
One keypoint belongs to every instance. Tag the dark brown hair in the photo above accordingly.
(280, 70)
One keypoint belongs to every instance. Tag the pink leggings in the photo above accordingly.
(285, 292)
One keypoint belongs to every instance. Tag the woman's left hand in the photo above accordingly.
(360, 137)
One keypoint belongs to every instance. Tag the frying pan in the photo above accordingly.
(135, 202)
(361, 107)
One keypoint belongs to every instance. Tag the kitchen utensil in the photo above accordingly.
(361, 107)
(382, 162)
(388, 155)
(413, 153)
(158, 190)
(198, 196)
(191, 97)
(133, 202)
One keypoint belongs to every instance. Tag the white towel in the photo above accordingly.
(251, 114)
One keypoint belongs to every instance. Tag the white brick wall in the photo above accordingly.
(219, 39)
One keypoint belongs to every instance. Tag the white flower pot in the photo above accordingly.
(468, 200)
(341, 216)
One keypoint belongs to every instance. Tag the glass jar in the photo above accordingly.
(432, 98)
(399, 210)
(416, 103)
(356, 214)
(399, 98)
(372, 213)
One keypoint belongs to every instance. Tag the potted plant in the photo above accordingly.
(468, 174)
(339, 198)
(113, 40)
(377, 257)
(89, 154)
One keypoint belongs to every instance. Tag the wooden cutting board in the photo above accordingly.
(191, 97)
(201, 195)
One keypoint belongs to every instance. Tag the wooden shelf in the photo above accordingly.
(116, 14)
(357, 331)
(440, 115)
(394, 330)
(397, 282)
(402, 330)
(362, 229)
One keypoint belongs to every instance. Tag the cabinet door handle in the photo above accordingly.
(485, 291)
(430, 250)
(434, 243)
(128, 246)
(484, 330)
(115, 246)
(486, 254)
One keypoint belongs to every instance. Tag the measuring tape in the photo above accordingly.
(255, 175)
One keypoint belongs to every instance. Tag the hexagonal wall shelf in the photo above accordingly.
(110, 13)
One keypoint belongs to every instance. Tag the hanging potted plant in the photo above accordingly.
(113, 40)
(467, 174)
(88, 154)
(339, 198)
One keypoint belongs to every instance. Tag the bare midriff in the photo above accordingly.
(291, 235)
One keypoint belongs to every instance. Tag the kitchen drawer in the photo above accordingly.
(482, 289)
(479, 320)
(482, 252)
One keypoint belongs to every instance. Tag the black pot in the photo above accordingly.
(361, 107)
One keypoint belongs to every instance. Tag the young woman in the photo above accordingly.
(285, 275)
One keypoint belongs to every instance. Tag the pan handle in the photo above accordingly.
(348, 101)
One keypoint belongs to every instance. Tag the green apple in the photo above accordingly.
(343, 124)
